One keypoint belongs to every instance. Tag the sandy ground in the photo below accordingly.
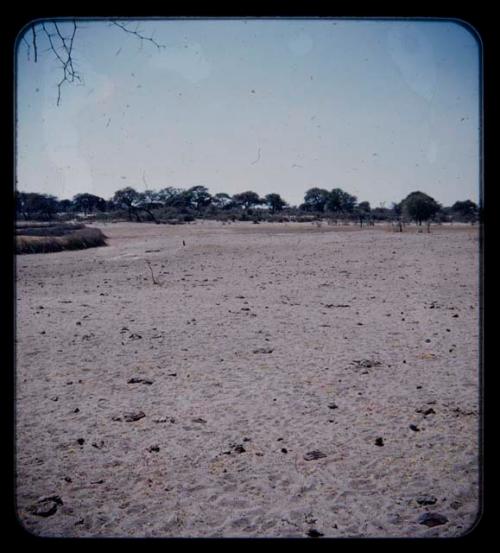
(259, 345)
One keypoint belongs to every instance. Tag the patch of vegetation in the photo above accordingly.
(56, 238)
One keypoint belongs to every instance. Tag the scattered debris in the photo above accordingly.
(313, 455)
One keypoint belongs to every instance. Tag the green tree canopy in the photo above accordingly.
(315, 199)
(275, 202)
(88, 203)
(340, 201)
(247, 199)
(420, 207)
(466, 210)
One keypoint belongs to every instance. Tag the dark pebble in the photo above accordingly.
(414, 428)
(313, 533)
(432, 519)
(80, 441)
(284, 450)
(332, 406)
(239, 449)
(131, 417)
(426, 499)
(379, 442)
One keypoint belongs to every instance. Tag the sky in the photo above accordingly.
(378, 108)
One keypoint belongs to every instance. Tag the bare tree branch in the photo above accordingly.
(61, 45)
(28, 46)
(34, 42)
(66, 59)
(137, 33)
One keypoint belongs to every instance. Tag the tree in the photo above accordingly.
(32, 205)
(247, 199)
(65, 206)
(466, 210)
(420, 207)
(167, 195)
(363, 211)
(198, 197)
(88, 203)
(128, 198)
(315, 199)
(221, 200)
(340, 202)
(275, 202)
(58, 38)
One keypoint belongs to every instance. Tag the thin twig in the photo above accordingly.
(137, 33)
(152, 274)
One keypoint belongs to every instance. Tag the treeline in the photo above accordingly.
(177, 205)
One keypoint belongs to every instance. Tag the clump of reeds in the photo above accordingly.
(55, 238)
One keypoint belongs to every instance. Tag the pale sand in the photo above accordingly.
(232, 290)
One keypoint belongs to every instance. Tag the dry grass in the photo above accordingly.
(57, 238)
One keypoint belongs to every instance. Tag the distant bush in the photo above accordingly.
(55, 238)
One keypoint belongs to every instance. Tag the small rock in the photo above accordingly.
(429, 411)
(426, 499)
(263, 350)
(455, 316)
(239, 449)
(80, 441)
(284, 450)
(379, 442)
(132, 416)
(313, 455)
(414, 428)
(98, 445)
(432, 519)
(46, 506)
(332, 406)
(135, 380)
(76, 410)
(313, 533)
(154, 448)
(68, 479)
(200, 420)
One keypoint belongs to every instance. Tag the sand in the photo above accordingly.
(259, 345)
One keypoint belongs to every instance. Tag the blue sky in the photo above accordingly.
(377, 108)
